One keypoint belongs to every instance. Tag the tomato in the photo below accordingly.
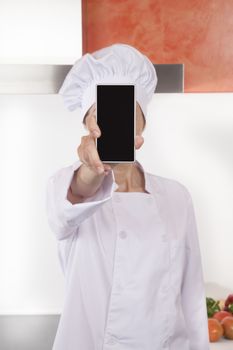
(215, 329)
(229, 300)
(221, 314)
(227, 324)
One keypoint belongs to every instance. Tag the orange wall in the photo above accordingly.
(198, 33)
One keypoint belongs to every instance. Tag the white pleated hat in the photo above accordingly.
(115, 64)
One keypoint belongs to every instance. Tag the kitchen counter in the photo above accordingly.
(222, 344)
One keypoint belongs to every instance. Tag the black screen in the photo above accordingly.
(116, 120)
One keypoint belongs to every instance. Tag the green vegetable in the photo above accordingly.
(230, 307)
(212, 306)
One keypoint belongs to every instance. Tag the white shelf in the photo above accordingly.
(31, 78)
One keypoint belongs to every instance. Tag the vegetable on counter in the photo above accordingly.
(215, 329)
(220, 318)
(229, 303)
(222, 304)
(220, 315)
(212, 306)
(227, 324)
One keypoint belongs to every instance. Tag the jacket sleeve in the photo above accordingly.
(64, 217)
(193, 289)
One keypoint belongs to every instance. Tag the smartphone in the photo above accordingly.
(116, 114)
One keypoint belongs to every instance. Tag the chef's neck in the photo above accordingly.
(127, 176)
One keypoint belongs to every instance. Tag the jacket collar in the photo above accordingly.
(148, 181)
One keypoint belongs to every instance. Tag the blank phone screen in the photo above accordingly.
(115, 112)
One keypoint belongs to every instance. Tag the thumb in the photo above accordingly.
(139, 140)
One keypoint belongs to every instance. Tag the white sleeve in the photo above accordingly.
(193, 296)
(63, 216)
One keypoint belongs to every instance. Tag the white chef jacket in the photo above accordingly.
(131, 264)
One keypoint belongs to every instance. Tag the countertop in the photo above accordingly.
(222, 344)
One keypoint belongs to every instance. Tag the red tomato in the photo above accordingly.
(220, 315)
(227, 324)
(229, 300)
(215, 329)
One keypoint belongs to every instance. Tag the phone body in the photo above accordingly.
(116, 118)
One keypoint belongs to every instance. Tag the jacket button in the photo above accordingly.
(123, 234)
(112, 341)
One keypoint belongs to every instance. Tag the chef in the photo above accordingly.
(127, 239)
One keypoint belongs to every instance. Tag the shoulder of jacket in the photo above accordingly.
(66, 169)
(63, 175)
(170, 186)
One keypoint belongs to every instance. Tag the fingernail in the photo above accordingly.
(96, 133)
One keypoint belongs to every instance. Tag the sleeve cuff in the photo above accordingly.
(72, 215)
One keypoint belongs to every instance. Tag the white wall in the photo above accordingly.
(189, 137)
(41, 32)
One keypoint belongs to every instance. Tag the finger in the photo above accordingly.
(85, 149)
(107, 166)
(92, 125)
(80, 151)
(139, 140)
(92, 157)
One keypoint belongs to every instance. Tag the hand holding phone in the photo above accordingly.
(87, 151)
(87, 178)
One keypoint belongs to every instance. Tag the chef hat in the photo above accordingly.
(115, 64)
